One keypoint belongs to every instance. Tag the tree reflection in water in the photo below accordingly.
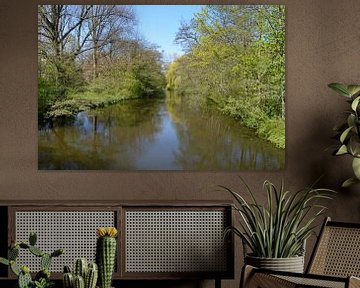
(155, 134)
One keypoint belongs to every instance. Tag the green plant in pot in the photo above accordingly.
(349, 131)
(42, 278)
(275, 233)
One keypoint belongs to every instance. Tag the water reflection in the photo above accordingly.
(160, 134)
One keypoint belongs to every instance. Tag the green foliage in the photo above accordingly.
(274, 131)
(237, 62)
(47, 94)
(43, 283)
(42, 278)
(126, 78)
(349, 132)
(279, 229)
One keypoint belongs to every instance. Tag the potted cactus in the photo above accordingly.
(106, 254)
(42, 278)
(84, 275)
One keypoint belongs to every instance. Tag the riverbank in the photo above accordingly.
(270, 129)
(251, 116)
(78, 102)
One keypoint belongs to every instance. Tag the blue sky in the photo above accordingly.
(159, 23)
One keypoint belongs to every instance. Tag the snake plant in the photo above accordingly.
(349, 131)
(279, 228)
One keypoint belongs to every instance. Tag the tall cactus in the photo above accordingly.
(106, 254)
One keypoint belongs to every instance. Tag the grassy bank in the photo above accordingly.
(252, 116)
(83, 101)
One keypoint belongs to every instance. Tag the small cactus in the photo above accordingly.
(23, 273)
(91, 276)
(79, 282)
(106, 254)
(80, 268)
(57, 252)
(36, 251)
(89, 272)
(32, 238)
(13, 253)
(68, 280)
(45, 261)
(24, 280)
(67, 269)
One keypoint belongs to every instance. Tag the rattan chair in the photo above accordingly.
(334, 263)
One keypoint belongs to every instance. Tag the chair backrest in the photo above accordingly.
(337, 251)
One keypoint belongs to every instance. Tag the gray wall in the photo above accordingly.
(323, 40)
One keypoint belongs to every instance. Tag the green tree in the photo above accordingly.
(235, 58)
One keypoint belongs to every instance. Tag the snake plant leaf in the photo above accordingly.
(356, 167)
(345, 134)
(353, 89)
(340, 88)
(355, 103)
(349, 182)
(342, 150)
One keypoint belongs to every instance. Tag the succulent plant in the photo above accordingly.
(80, 267)
(85, 275)
(42, 278)
(106, 254)
(91, 276)
(79, 282)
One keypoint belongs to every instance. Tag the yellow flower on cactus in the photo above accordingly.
(107, 231)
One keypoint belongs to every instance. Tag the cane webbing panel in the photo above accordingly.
(338, 252)
(74, 231)
(175, 241)
(313, 282)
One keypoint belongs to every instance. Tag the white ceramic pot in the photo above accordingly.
(291, 264)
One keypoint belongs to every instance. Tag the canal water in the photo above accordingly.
(155, 134)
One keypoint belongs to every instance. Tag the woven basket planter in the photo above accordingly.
(291, 264)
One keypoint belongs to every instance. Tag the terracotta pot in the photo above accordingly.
(291, 264)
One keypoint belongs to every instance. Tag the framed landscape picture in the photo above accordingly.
(161, 87)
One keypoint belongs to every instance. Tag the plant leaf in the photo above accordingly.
(351, 119)
(356, 167)
(340, 88)
(353, 89)
(345, 134)
(342, 150)
(349, 182)
(4, 261)
(355, 103)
